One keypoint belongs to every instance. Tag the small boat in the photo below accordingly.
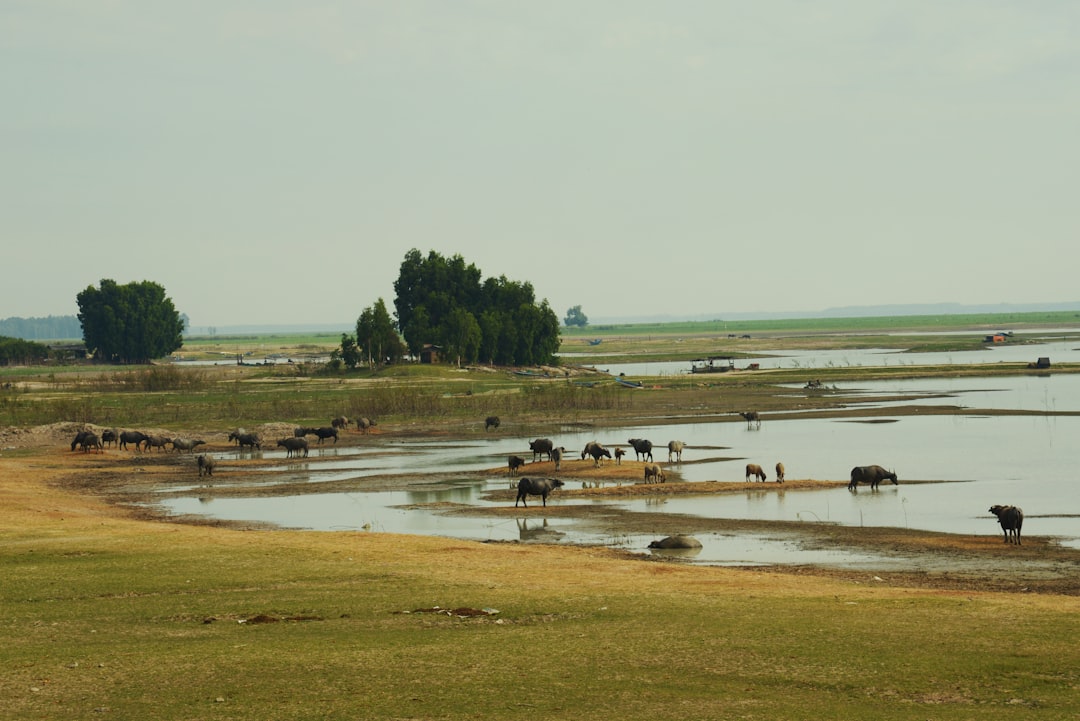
(628, 384)
(710, 365)
(596, 341)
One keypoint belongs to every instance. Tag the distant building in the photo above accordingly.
(430, 353)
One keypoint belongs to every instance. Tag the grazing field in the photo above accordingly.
(110, 613)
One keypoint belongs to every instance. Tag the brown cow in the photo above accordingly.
(753, 469)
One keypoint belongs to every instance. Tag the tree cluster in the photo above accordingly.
(54, 327)
(130, 323)
(445, 302)
(16, 351)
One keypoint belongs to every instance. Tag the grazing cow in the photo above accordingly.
(249, 440)
(754, 470)
(752, 418)
(1011, 519)
(541, 446)
(90, 440)
(157, 442)
(597, 451)
(326, 432)
(233, 435)
(619, 453)
(301, 431)
(536, 487)
(136, 437)
(183, 444)
(779, 472)
(364, 423)
(675, 448)
(341, 422)
(78, 439)
(109, 436)
(514, 463)
(294, 446)
(556, 455)
(206, 465)
(870, 474)
(654, 474)
(642, 448)
(491, 422)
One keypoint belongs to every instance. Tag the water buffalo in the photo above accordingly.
(491, 422)
(675, 448)
(870, 474)
(302, 431)
(341, 422)
(752, 418)
(206, 465)
(364, 423)
(109, 436)
(536, 487)
(1011, 519)
(157, 442)
(619, 453)
(676, 541)
(249, 440)
(596, 451)
(654, 474)
(90, 440)
(78, 439)
(541, 446)
(136, 437)
(779, 472)
(754, 470)
(233, 435)
(514, 463)
(184, 444)
(642, 448)
(294, 446)
(556, 455)
(326, 432)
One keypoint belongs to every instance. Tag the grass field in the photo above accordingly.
(105, 615)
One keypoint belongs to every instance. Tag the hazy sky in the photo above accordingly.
(272, 162)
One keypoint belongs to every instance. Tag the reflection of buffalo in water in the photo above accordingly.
(536, 487)
(870, 474)
(1011, 519)
(543, 534)
(753, 470)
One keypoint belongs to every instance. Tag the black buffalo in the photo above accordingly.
(1011, 519)
(541, 446)
(491, 422)
(326, 432)
(294, 446)
(514, 463)
(206, 465)
(78, 439)
(536, 487)
(136, 437)
(642, 449)
(90, 440)
(870, 474)
(249, 440)
(109, 436)
(364, 423)
(185, 444)
(752, 418)
(597, 451)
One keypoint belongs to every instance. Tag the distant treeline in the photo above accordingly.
(54, 327)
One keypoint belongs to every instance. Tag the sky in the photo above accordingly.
(272, 162)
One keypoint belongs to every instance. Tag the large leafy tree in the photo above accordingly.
(130, 323)
(574, 316)
(444, 301)
(376, 336)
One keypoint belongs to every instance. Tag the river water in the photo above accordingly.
(969, 462)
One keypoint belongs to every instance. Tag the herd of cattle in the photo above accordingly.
(1011, 518)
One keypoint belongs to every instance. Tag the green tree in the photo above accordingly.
(21, 352)
(444, 301)
(376, 335)
(574, 316)
(130, 323)
(349, 353)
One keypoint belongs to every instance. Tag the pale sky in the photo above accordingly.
(272, 162)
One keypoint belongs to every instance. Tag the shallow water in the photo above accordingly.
(970, 462)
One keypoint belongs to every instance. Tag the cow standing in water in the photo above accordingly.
(536, 487)
(870, 474)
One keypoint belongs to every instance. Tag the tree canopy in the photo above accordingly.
(443, 301)
(16, 351)
(130, 323)
(574, 316)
